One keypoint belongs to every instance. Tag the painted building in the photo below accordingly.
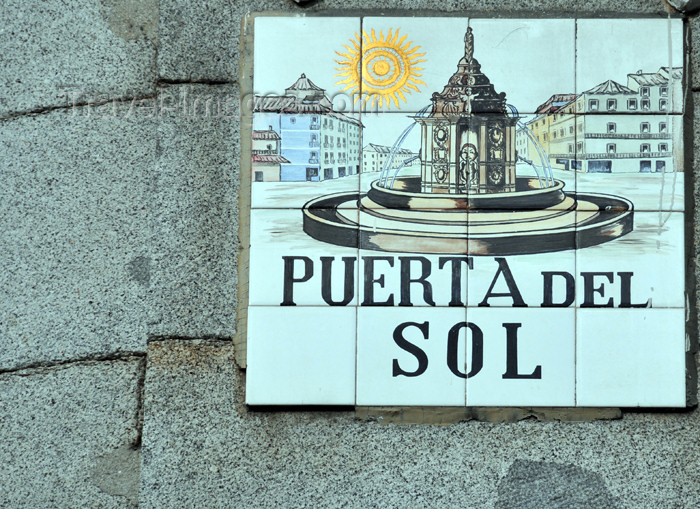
(266, 156)
(317, 142)
(553, 127)
(612, 127)
(375, 156)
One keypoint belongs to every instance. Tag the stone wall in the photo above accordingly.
(118, 289)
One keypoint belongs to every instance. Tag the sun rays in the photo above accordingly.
(380, 70)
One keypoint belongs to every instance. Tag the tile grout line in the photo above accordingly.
(575, 215)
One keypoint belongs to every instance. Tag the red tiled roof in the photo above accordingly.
(273, 159)
(267, 134)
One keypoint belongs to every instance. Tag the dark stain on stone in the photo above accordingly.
(117, 473)
(133, 19)
(544, 485)
(140, 269)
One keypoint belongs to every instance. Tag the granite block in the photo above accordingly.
(68, 435)
(201, 446)
(194, 216)
(75, 234)
(58, 53)
(694, 52)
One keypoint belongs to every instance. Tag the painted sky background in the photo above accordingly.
(529, 59)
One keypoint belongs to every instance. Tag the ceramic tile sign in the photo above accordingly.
(466, 212)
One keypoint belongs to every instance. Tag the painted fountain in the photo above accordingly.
(468, 198)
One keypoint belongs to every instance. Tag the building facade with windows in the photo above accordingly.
(318, 142)
(375, 156)
(266, 156)
(612, 127)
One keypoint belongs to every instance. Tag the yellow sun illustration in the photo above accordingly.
(380, 69)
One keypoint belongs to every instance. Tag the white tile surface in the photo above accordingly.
(528, 59)
(542, 344)
(301, 356)
(315, 155)
(529, 276)
(414, 279)
(279, 233)
(651, 181)
(610, 49)
(384, 129)
(378, 353)
(286, 46)
(308, 353)
(653, 252)
(630, 358)
(439, 38)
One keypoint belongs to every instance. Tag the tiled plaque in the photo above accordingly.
(453, 211)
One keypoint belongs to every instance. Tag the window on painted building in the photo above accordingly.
(663, 147)
(645, 147)
(561, 132)
(631, 104)
(612, 127)
(646, 104)
(663, 104)
(325, 123)
(544, 137)
(612, 104)
(593, 105)
(571, 129)
(554, 135)
(663, 91)
(611, 148)
(644, 127)
(314, 119)
(571, 148)
(645, 91)
(330, 124)
(580, 128)
(662, 127)
(579, 146)
(325, 157)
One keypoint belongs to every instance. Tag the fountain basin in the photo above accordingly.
(573, 221)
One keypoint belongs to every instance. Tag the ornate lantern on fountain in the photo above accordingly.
(468, 139)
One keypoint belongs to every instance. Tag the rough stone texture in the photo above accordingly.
(75, 234)
(694, 44)
(536, 484)
(57, 424)
(202, 448)
(692, 142)
(199, 40)
(194, 217)
(94, 49)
